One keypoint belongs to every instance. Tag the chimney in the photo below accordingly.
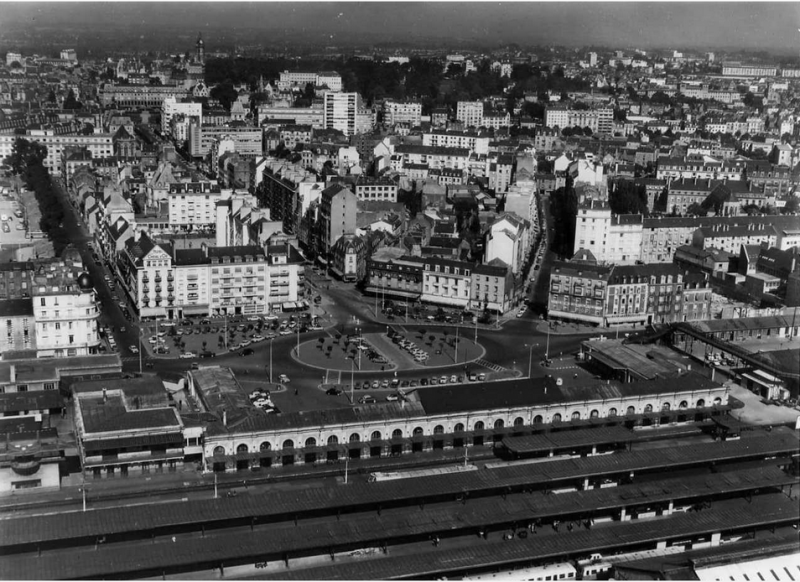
(105, 396)
(13, 373)
(225, 418)
(137, 234)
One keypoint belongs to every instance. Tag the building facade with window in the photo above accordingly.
(441, 418)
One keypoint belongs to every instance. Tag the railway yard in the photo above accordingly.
(572, 503)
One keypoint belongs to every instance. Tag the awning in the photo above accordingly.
(137, 441)
(393, 292)
(626, 318)
(195, 310)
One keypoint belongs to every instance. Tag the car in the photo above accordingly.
(122, 329)
(195, 366)
(559, 382)
(20, 226)
(434, 381)
(208, 355)
(443, 380)
(285, 332)
(385, 384)
(121, 304)
(414, 384)
(162, 350)
(254, 318)
(404, 384)
(481, 377)
(244, 344)
(133, 349)
(424, 382)
(367, 399)
(187, 355)
(453, 379)
(247, 352)
(520, 314)
(258, 338)
(106, 278)
(333, 391)
(283, 379)
(392, 398)
(376, 384)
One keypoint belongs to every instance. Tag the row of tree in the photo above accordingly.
(27, 160)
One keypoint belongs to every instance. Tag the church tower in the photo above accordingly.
(200, 50)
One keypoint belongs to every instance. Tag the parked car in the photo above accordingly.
(333, 391)
(247, 352)
(133, 349)
(392, 398)
(188, 355)
(283, 379)
(367, 399)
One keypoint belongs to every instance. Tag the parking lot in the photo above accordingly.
(12, 223)
(209, 337)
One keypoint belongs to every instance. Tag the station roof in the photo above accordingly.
(568, 439)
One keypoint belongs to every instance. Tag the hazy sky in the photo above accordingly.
(665, 24)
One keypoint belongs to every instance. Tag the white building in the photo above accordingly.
(475, 142)
(402, 112)
(470, 113)
(508, 239)
(345, 112)
(194, 203)
(14, 58)
(610, 238)
(100, 145)
(171, 107)
(65, 310)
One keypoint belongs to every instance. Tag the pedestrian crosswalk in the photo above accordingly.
(490, 365)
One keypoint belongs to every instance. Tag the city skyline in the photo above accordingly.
(755, 26)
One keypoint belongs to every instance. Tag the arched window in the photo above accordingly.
(288, 444)
(375, 436)
(612, 412)
(631, 410)
(265, 446)
(438, 429)
(519, 421)
(648, 408)
(479, 425)
(311, 442)
(418, 431)
(355, 437)
(683, 404)
(333, 440)
(242, 448)
(458, 427)
(538, 419)
(219, 450)
(576, 415)
(557, 417)
(701, 403)
(665, 407)
(594, 414)
(499, 423)
(717, 400)
(397, 433)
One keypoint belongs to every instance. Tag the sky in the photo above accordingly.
(749, 25)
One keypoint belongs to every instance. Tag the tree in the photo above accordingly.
(25, 154)
(70, 102)
(696, 210)
(225, 94)
(792, 205)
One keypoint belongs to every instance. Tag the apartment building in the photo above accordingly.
(283, 114)
(700, 167)
(609, 237)
(247, 141)
(98, 145)
(475, 142)
(288, 190)
(394, 277)
(491, 288)
(299, 79)
(470, 113)
(338, 209)
(376, 189)
(172, 107)
(292, 135)
(347, 113)
(508, 240)
(432, 157)
(194, 203)
(625, 295)
(734, 70)
(600, 120)
(409, 112)
(132, 96)
(446, 281)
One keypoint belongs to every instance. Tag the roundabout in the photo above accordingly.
(414, 350)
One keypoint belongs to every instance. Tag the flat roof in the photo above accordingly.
(368, 528)
(44, 369)
(568, 439)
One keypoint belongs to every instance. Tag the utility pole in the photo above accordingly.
(456, 344)
(140, 351)
(547, 348)
(352, 379)
(270, 360)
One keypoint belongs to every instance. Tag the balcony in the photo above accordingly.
(170, 277)
(170, 288)
(158, 279)
(158, 288)
(145, 298)
(145, 289)
(145, 279)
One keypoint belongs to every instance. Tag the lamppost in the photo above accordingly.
(530, 358)
(352, 379)
(547, 347)
(358, 347)
(270, 360)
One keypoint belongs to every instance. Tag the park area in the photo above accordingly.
(415, 349)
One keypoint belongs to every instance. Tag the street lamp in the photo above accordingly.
(352, 379)
(530, 358)
(270, 360)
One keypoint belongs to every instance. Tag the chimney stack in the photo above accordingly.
(225, 418)
(13, 373)
(105, 396)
